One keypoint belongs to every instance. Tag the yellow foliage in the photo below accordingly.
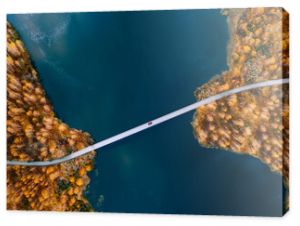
(50, 169)
(72, 179)
(79, 182)
(82, 172)
(246, 49)
(88, 167)
(45, 193)
(54, 175)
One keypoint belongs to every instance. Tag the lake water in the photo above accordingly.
(108, 72)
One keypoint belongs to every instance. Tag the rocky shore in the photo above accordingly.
(35, 133)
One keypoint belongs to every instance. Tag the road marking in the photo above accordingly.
(150, 124)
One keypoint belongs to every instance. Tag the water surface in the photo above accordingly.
(108, 72)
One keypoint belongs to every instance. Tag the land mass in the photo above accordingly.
(255, 122)
(34, 133)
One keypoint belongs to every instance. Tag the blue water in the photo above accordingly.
(108, 72)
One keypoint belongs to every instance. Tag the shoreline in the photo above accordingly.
(35, 133)
(254, 123)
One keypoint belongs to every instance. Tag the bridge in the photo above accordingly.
(150, 124)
